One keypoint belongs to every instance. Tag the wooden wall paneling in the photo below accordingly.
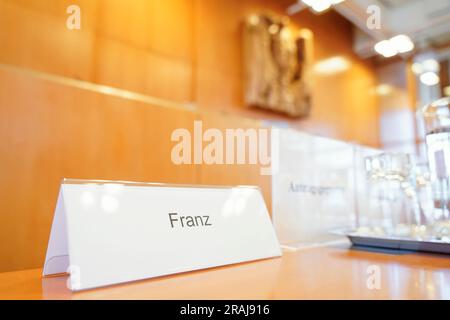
(361, 106)
(164, 28)
(146, 46)
(142, 71)
(143, 46)
(34, 36)
(50, 131)
(180, 50)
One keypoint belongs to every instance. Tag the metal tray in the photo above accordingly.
(435, 246)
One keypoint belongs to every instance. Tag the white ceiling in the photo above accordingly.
(395, 3)
(426, 22)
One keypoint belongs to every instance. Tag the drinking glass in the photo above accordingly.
(392, 193)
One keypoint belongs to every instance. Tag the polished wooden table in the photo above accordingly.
(323, 272)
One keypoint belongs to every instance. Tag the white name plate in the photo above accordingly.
(105, 233)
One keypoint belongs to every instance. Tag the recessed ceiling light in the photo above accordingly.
(417, 68)
(431, 65)
(321, 5)
(429, 78)
(309, 2)
(385, 48)
(318, 5)
(402, 43)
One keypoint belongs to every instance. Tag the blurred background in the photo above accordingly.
(93, 89)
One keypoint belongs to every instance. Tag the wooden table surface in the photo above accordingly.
(326, 272)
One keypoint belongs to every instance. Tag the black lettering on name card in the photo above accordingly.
(183, 221)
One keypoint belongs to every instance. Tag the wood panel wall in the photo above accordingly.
(51, 130)
(184, 51)
(187, 51)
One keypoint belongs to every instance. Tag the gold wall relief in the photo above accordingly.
(277, 62)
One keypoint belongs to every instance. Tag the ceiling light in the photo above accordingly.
(398, 44)
(332, 65)
(402, 43)
(385, 48)
(320, 5)
(429, 78)
(431, 65)
(417, 68)
(309, 2)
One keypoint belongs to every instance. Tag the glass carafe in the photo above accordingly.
(437, 125)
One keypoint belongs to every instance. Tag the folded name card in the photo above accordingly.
(105, 233)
